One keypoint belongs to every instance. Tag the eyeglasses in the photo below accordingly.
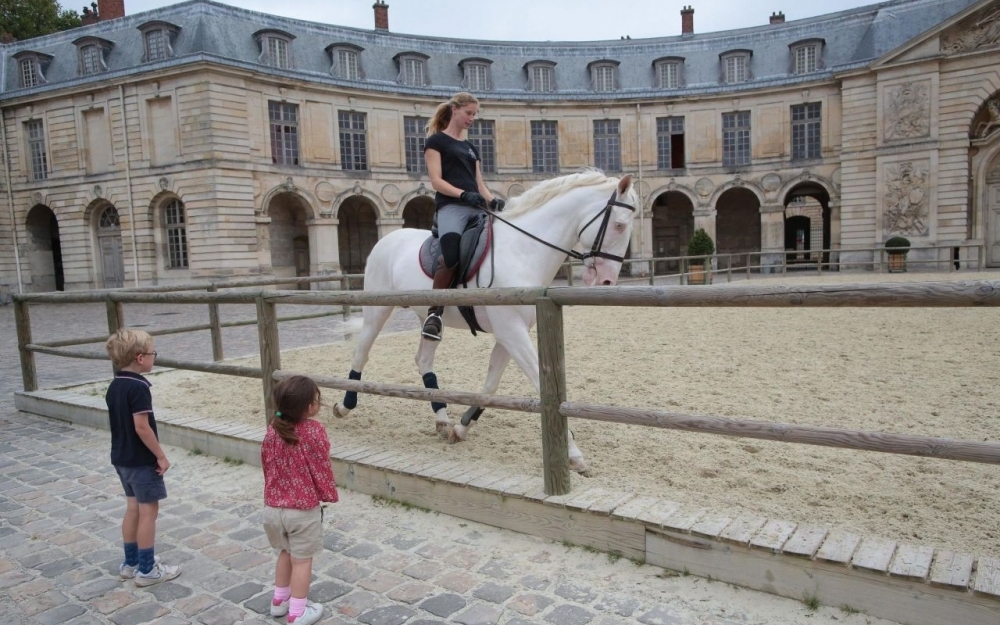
(153, 354)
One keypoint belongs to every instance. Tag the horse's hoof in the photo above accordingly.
(340, 412)
(443, 429)
(578, 464)
(458, 433)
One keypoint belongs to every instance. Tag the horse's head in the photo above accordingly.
(607, 236)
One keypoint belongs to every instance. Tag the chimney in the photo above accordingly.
(110, 9)
(381, 15)
(687, 20)
(778, 18)
(89, 15)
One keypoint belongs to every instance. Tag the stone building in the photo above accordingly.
(201, 140)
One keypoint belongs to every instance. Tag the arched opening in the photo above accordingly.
(109, 246)
(289, 236)
(44, 252)
(807, 223)
(356, 234)
(993, 212)
(673, 225)
(983, 215)
(737, 226)
(419, 213)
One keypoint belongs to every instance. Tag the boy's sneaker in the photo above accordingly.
(159, 573)
(313, 613)
(128, 572)
(279, 608)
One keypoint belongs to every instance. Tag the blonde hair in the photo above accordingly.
(442, 115)
(125, 345)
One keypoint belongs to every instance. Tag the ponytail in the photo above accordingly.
(442, 114)
(292, 398)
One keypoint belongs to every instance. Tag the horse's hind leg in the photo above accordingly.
(425, 364)
(374, 318)
(499, 359)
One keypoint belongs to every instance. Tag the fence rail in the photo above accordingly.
(549, 302)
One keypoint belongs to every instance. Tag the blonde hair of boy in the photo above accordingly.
(125, 345)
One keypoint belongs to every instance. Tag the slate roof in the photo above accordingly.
(223, 34)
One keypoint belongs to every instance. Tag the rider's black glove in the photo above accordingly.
(473, 199)
(497, 205)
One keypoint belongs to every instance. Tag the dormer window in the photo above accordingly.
(345, 60)
(275, 48)
(412, 69)
(476, 74)
(735, 66)
(92, 51)
(31, 67)
(669, 72)
(541, 76)
(157, 39)
(604, 75)
(807, 56)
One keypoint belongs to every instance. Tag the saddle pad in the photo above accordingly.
(472, 251)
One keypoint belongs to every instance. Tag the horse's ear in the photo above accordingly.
(624, 184)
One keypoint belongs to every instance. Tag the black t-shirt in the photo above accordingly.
(458, 164)
(127, 395)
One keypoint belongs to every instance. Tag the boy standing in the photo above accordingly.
(136, 455)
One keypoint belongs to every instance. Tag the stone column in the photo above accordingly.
(387, 225)
(772, 235)
(324, 251)
(704, 217)
(263, 245)
(834, 231)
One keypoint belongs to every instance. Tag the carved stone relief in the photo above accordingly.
(980, 31)
(704, 187)
(992, 122)
(771, 182)
(907, 112)
(515, 190)
(905, 204)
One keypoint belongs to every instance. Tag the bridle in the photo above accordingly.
(595, 249)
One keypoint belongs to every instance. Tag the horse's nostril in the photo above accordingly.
(606, 283)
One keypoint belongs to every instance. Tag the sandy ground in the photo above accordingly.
(930, 372)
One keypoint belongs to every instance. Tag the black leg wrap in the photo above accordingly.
(351, 397)
(472, 414)
(431, 381)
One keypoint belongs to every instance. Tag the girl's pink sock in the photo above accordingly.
(282, 594)
(296, 607)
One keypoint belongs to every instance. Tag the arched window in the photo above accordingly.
(175, 231)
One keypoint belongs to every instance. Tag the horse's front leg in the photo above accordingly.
(425, 364)
(499, 359)
(374, 317)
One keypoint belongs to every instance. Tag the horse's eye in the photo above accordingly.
(619, 227)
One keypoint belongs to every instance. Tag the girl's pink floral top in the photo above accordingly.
(298, 476)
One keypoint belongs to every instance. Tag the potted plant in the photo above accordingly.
(700, 245)
(897, 247)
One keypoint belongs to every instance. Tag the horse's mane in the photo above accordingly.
(545, 191)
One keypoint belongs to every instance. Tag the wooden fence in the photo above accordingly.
(549, 302)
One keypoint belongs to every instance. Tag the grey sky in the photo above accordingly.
(536, 20)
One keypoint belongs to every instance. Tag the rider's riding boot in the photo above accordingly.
(442, 280)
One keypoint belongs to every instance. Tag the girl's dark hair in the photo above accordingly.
(292, 398)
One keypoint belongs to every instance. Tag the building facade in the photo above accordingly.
(204, 141)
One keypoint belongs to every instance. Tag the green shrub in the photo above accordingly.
(901, 244)
(700, 244)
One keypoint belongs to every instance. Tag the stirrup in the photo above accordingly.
(432, 327)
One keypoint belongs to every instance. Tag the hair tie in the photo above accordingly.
(278, 414)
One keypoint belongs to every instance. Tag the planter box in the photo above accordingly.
(698, 275)
(897, 262)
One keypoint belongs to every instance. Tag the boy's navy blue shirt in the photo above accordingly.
(127, 395)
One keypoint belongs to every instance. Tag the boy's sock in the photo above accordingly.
(131, 554)
(146, 561)
(296, 607)
(282, 593)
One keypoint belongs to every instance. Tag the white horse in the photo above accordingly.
(553, 218)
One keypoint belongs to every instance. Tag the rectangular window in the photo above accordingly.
(277, 52)
(90, 59)
(481, 135)
(607, 145)
(415, 138)
(348, 63)
(604, 78)
(542, 78)
(477, 77)
(669, 76)
(736, 69)
(36, 150)
(413, 72)
(805, 59)
(156, 45)
(670, 143)
(177, 253)
(736, 138)
(353, 141)
(806, 127)
(284, 132)
(544, 147)
(28, 78)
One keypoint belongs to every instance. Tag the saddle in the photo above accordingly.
(473, 249)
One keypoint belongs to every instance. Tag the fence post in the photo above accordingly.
(569, 274)
(345, 285)
(552, 380)
(29, 375)
(270, 351)
(116, 316)
(213, 322)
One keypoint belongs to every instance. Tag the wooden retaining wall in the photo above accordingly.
(908, 583)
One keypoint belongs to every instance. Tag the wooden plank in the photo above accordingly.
(215, 330)
(684, 518)
(609, 502)
(584, 499)
(952, 570)
(805, 542)
(657, 514)
(552, 380)
(742, 529)
(270, 351)
(376, 459)
(29, 374)
(774, 535)
(987, 577)
(874, 554)
(504, 486)
(471, 473)
(521, 489)
(838, 547)
(487, 480)
(631, 509)
(711, 525)
(912, 562)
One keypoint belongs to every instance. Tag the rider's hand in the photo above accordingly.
(497, 205)
(473, 199)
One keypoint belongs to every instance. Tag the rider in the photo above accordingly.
(453, 166)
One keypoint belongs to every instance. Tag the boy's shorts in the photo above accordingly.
(299, 532)
(143, 483)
